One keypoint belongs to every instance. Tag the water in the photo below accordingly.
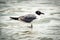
(46, 27)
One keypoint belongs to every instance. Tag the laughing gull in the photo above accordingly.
(27, 18)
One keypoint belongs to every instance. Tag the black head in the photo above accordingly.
(39, 13)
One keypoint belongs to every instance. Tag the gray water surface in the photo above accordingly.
(45, 27)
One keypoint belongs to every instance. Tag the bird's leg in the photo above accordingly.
(31, 27)
(29, 31)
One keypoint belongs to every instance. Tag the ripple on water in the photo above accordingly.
(3, 25)
(46, 38)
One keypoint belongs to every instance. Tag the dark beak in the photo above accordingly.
(42, 13)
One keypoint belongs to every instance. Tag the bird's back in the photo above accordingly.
(28, 18)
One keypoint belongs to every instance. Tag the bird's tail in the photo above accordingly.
(14, 18)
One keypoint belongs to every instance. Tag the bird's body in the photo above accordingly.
(27, 18)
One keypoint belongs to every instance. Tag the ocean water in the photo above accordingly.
(45, 27)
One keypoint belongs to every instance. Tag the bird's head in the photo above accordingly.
(39, 13)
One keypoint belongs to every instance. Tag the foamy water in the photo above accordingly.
(45, 27)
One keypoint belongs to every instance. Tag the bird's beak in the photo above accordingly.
(42, 13)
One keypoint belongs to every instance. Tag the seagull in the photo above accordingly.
(27, 18)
